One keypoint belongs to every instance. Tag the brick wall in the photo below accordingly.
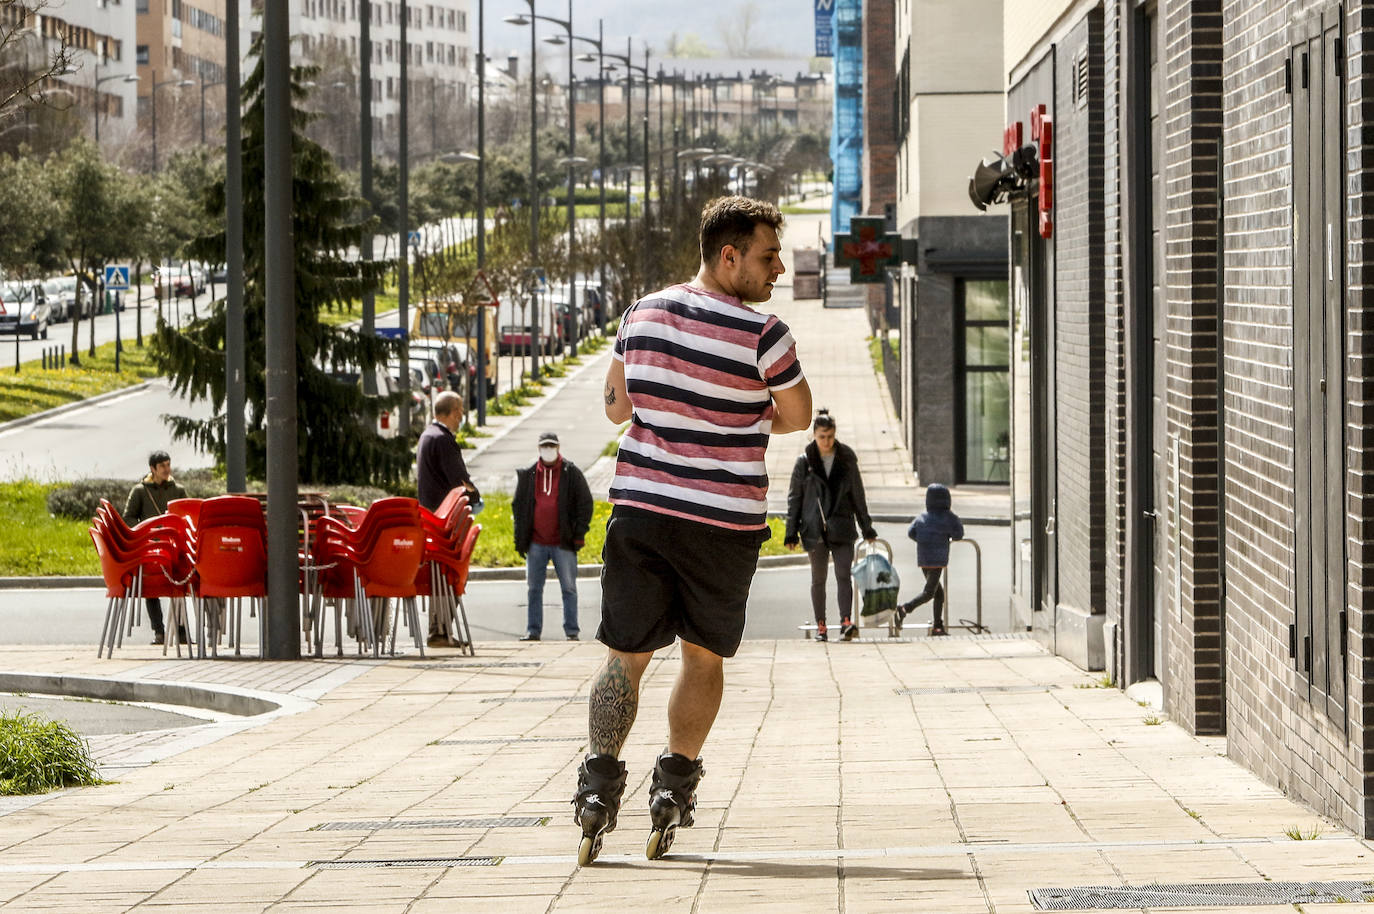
(1273, 730)
(880, 82)
(1190, 61)
(1114, 330)
(1079, 321)
(1360, 418)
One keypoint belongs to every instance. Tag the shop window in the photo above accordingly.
(985, 433)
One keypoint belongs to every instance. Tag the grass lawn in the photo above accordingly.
(37, 544)
(34, 389)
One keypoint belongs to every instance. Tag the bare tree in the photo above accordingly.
(27, 65)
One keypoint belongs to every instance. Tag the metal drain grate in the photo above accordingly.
(510, 739)
(960, 690)
(1200, 894)
(378, 824)
(405, 861)
(488, 701)
(478, 665)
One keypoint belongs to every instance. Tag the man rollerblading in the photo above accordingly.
(600, 783)
(672, 799)
(703, 379)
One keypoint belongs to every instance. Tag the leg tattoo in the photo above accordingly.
(611, 711)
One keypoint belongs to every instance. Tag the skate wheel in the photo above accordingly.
(588, 849)
(659, 842)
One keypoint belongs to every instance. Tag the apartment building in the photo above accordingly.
(102, 39)
(1189, 323)
(441, 65)
(946, 66)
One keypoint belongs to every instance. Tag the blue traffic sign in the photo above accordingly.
(391, 333)
(414, 238)
(117, 278)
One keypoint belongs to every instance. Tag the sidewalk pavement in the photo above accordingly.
(934, 775)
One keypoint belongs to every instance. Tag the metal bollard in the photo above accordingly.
(45, 359)
(974, 625)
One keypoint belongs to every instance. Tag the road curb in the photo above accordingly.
(514, 573)
(73, 406)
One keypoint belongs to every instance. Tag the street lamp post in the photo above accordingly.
(203, 86)
(630, 66)
(122, 77)
(532, 21)
(482, 207)
(403, 217)
(180, 83)
(600, 134)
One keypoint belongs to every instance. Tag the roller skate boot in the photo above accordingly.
(672, 798)
(600, 783)
(848, 630)
(822, 633)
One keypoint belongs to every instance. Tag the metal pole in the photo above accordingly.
(536, 343)
(572, 204)
(154, 94)
(202, 109)
(96, 93)
(365, 167)
(481, 207)
(601, 153)
(403, 266)
(282, 614)
(235, 448)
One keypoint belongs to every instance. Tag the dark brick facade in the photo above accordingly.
(880, 133)
(1228, 593)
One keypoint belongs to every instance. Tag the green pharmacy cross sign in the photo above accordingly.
(866, 250)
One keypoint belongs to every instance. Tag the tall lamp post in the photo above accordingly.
(180, 83)
(122, 77)
(203, 86)
(630, 66)
(599, 58)
(535, 340)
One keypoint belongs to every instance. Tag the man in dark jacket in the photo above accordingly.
(826, 509)
(147, 499)
(439, 466)
(932, 532)
(552, 510)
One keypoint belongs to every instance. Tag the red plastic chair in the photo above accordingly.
(135, 570)
(231, 550)
(443, 578)
(381, 555)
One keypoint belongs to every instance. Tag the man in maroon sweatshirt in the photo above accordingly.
(552, 510)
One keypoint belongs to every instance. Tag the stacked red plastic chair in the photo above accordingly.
(450, 538)
(379, 559)
(154, 559)
(231, 565)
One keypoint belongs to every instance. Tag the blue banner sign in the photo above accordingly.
(824, 9)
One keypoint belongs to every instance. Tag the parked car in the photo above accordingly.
(24, 309)
(388, 419)
(61, 292)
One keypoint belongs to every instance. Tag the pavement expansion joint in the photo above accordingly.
(679, 855)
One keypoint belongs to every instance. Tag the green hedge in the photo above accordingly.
(590, 195)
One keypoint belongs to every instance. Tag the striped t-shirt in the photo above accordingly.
(699, 369)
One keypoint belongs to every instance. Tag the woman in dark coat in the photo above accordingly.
(825, 512)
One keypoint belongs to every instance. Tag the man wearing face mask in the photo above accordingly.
(552, 510)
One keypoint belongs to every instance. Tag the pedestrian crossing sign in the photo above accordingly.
(117, 278)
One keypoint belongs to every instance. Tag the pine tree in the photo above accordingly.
(336, 423)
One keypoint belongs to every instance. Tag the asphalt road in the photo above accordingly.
(97, 718)
(779, 602)
(105, 327)
(111, 439)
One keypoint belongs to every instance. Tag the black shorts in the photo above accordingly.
(665, 577)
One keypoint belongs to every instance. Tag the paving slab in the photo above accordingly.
(940, 775)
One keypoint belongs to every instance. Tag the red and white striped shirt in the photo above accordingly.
(700, 369)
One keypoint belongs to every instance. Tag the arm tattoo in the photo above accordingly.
(610, 395)
(612, 708)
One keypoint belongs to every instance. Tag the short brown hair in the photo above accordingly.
(731, 220)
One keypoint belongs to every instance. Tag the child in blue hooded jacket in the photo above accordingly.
(932, 532)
